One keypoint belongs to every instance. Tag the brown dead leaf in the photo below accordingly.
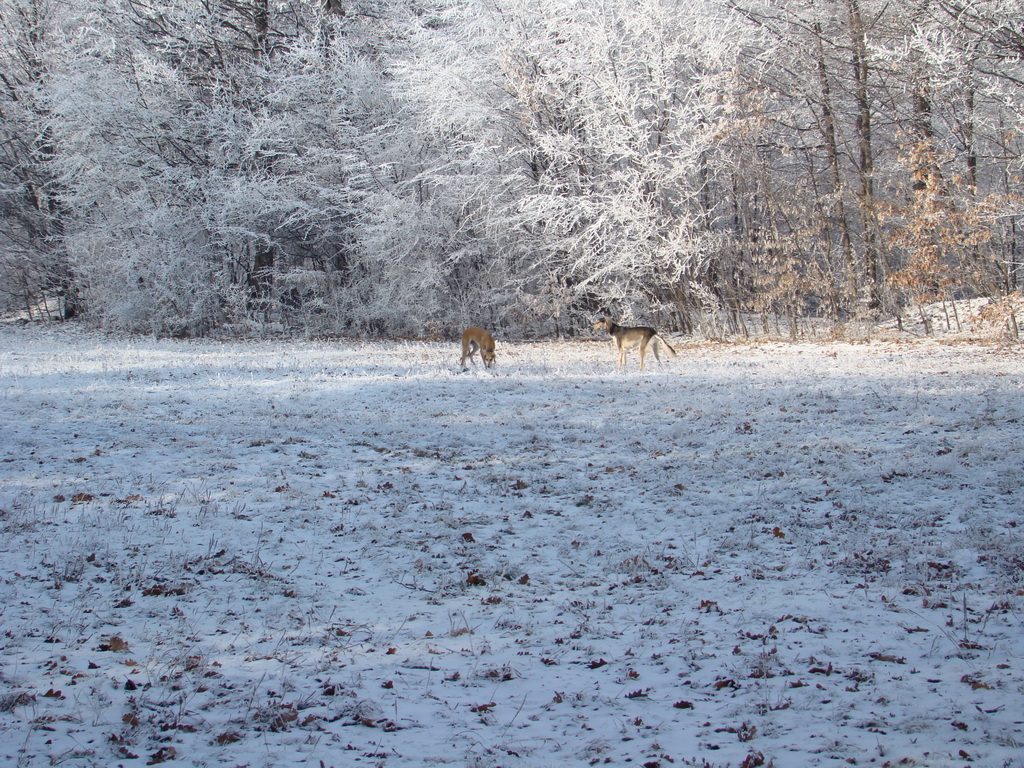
(162, 755)
(747, 732)
(888, 657)
(114, 644)
(974, 680)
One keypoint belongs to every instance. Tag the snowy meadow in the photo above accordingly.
(346, 553)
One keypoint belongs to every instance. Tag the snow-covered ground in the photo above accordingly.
(339, 554)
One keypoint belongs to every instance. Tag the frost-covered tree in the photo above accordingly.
(431, 255)
(409, 167)
(848, 91)
(34, 276)
(977, 53)
(209, 156)
(558, 158)
(615, 113)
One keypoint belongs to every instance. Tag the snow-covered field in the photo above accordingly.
(340, 554)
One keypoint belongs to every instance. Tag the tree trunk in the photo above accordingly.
(832, 150)
(865, 160)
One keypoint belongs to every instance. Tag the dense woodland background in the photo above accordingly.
(409, 166)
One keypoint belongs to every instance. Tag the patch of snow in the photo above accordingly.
(288, 553)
